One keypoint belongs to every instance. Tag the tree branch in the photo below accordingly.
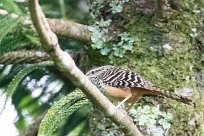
(23, 57)
(66, 65)
(70, 29)
(32, 57)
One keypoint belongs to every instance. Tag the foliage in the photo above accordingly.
(151, 118)
(21, 75)
(63, 108)
(7, 24)
(117, 5)
(13, 82)
(103, 39)
(15, 33)
(10, 6)
(20, 82)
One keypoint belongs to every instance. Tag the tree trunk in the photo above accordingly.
(168, 51)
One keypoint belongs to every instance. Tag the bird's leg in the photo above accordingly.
(123, 101)
(132, 103)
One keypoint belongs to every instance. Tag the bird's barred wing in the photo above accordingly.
(123, 78)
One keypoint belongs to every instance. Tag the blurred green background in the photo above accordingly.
(33, 89)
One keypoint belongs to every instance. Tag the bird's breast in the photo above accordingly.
(120, 93)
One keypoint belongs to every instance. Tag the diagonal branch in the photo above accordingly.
(66, 65)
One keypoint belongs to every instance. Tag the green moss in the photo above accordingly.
(164, 53)
(165, 68)
(169, 69)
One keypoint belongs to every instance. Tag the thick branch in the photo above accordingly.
(32, 56)
(66, 65)
(70, 29)
(23, 57)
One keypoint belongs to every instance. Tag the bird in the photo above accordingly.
(124, 85)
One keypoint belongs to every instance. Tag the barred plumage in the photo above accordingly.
(110, 77)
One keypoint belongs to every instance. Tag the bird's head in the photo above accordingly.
(98, 71)
(94, 76)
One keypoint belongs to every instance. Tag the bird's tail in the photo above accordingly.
(172, 95)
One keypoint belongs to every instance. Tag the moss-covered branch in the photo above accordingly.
(66, 65)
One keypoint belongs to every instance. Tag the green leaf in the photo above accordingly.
(94, 38)
(6, 25)
(10, 6)
(18, 78)
(33, 40)
(127, 47)
(22, 74)
(14, 35)
(60, 111)
(117, 9)
(105, 51)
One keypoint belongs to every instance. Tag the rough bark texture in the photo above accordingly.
(70, 29)
(32, 56)
(23, 57)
